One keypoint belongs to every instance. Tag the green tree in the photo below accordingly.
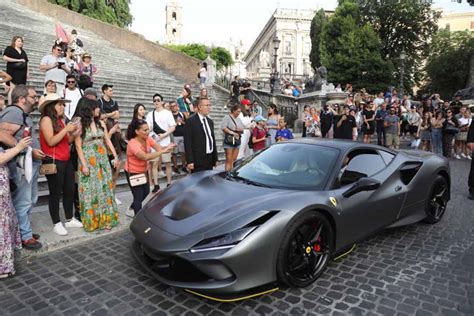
(317, 25)
(199, 51)
(351, 51)
(447, 67)
(406, 25)
(115, 12)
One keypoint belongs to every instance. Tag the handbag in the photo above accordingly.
(231, 140)
(138, 179)
(49, 168)
(451, 129)
(156, 128)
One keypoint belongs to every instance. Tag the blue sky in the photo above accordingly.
(216, 21)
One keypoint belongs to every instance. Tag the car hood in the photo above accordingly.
(200, 203)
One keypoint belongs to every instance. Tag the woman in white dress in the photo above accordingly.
(247, 120)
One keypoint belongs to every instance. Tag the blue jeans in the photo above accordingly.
(24, 197)
(437, 141)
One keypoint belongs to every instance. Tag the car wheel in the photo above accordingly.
(305, 250)
(438, 199)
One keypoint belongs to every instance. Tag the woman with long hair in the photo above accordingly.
(232, 127)
(425, 131)
(437, 123)
(247, 121)
(313, 126)
(203, 93)
(96, 195)
(17, 63)
(49, 88)
(203, 75)
(464, 122)
(10, 239)
(368, 124)
(272, 121)
(55, 137)
(138, 154)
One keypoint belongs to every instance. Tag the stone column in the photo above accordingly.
(211, 70)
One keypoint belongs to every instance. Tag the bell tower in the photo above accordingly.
(174, 25)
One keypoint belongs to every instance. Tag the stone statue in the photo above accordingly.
(316, 83)
(264, 59)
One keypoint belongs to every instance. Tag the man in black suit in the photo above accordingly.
(470, 144)
(199, 141)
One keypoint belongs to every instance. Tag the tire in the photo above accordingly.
(437, 200)
(304, 253)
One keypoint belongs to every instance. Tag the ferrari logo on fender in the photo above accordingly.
(308, 249)
(333, 201)
(147, 230)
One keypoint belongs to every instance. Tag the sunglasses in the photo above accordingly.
(70, 81)
(156, 100)
(59, 49)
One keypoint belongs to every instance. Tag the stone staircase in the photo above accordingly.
(135, 79)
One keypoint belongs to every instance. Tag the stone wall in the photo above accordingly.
(180, 65)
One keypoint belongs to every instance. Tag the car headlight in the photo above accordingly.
(221, 242)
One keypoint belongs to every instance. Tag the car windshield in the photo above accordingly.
(293, 166)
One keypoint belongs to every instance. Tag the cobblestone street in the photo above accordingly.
(420, 269)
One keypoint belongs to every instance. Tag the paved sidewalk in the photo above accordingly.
(41, 222)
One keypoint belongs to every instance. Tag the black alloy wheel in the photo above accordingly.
(438, 200)
(305, 250)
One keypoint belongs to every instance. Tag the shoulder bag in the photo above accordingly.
(138, 179)
(156, 128)
(231, 140)
(49, 168)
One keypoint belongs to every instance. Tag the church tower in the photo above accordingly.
(173, 22)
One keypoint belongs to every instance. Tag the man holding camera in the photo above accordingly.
(54, 65)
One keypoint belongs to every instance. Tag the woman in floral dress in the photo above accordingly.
(9, 231)
(96, 195)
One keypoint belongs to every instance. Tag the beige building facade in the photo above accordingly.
(292, 27)
(457, 21)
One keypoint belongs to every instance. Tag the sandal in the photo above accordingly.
(6, 275)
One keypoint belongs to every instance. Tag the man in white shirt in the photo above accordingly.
(73, 93)
(55, 67)
(162, 125)
(379, 100)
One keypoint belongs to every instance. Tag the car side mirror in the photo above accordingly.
(363, 184)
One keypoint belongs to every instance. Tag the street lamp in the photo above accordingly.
(403, 56)
(275, 78)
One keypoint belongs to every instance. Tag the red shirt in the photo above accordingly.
(58, 152)
(259, 133)
(133, 163)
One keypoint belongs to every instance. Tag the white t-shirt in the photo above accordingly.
(73, 95)
(165, 121)
(55, 74)
(203, 72)
(464, 121)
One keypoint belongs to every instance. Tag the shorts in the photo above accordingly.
(461, 136)
(412, 129)
(166, 157)
(179, 141)
(393, 140)
(227, 146)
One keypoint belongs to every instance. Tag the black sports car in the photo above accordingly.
(282, 214)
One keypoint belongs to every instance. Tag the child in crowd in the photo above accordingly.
(283, 133)
(259, 134)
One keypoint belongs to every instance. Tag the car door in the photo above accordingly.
(366, 211)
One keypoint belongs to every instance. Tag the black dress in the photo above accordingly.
(16, 70)
(368, 115)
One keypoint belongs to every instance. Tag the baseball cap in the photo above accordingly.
(259, 118)
(106, 86)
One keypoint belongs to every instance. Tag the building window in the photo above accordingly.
(288, 42)
(174, 16)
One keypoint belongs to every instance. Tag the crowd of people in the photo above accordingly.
(80, 147)
(431, 125)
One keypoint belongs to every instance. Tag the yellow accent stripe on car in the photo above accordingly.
(232, 299)
(346, 253)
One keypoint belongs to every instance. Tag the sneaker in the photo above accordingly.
(463, 155)
(73, 223)
(31, 244)
(130, 212)
(161, 174)
(36, 236)
(457, 157)
(118, 202)
(59, 229)
(468, 157)
(156, 188)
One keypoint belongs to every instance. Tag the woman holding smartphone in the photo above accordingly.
(96, 195)
(136, 167)
(55, 138)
